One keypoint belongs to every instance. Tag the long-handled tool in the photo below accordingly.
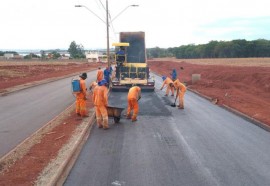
(174, 105)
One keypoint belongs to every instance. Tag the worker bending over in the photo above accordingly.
(167, 81)
(99, 75)
(100, 100)
(93, 84)
(81, 97)
(181, 90)
(134, 94)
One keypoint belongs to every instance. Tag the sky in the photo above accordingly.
(54, 24)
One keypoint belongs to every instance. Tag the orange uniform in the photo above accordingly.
(100, 100)
(181, 89)
(168, 81)
(99, 75)
(80, 99)
(134, 95)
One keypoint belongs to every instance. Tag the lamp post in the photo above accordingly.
(107, 25)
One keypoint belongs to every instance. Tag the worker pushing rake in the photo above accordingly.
(181, 90)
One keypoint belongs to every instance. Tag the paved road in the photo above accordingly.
(201, 145)
(24, 112)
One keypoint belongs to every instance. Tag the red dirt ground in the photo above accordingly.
(42, 152)
(244, 88)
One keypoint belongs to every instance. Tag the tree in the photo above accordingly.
(76, 51)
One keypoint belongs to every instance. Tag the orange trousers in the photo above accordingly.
(133, 106)
(81, 106)
(181, 98)
(102, 115)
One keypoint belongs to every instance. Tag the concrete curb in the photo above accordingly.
(67, 164)
(27, 142)
(226, 107)
(236, 112)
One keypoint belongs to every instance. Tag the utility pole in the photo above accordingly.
(108, 44)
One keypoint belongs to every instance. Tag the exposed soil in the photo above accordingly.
(24, 167)
(245, 87)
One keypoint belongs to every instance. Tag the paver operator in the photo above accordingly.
(107, 73)
(134, 94)
(99, 75)
(167, 81)
(100, 100)
(181, 90)
(81, 97)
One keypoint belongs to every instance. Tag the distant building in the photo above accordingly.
(8, 55)
(95, 56)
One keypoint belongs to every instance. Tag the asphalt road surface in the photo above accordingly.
(200, 145)
(24, 112)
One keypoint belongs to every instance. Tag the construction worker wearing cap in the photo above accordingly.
(100, 100)
(81, 97)
(181, 90)
(134, 94)
(167, 81)
(99, 75)
(107, 73)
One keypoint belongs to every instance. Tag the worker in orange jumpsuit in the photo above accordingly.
(100, 100)
(81, 97)
(134, 94)
(181, 90)
(99, 75)
(167, 81)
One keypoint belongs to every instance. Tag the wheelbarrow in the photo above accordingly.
(114, 112)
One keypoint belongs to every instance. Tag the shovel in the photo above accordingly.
(174, 105)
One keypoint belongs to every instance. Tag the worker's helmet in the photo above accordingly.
(102, 82)
(83, 75)
(163, 78)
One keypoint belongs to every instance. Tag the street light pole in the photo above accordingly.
(107, 25)
(108, 43)
(123, 11)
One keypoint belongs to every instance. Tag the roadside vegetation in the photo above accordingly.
(240, 48)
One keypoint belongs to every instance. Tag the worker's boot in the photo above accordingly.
(105, 124)
(78, 114)
(166, 95)
(134, 118)
(181, 106)
(128, 116)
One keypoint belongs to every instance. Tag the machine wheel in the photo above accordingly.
(116, 119)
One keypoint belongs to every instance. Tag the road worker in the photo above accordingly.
(81, 97)
(181, 90)
(99, 75)
(100, 100)
(107, 73)
(167, 81)
(134, 94)
(174, 74)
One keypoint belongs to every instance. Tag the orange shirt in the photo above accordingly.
(99, 75)
(167, 81)
(134, 93)
(82, 93)
(100, 96)
(181, 86)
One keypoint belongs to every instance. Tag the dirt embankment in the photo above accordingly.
(18, 73)
(245, 87)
